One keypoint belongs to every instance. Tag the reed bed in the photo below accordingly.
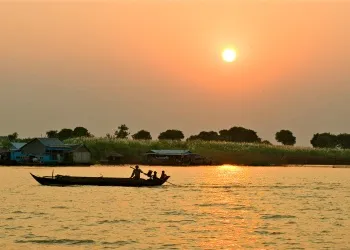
(219, 152)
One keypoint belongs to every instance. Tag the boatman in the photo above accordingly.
(136, 173)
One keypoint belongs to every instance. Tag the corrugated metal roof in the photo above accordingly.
(74, 147)
(170, 152)
(17, 145)
(51, 142)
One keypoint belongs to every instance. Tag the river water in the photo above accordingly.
(223, 207)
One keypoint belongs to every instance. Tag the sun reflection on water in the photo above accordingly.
(229, 167)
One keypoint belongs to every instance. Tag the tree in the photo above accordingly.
(285, 137)
(324, 140)
(205, 136)
(239, 134)
(13, 136)
(81, 132)
(65, 133)
(52, 134)
(122, 132)
(343, 140)
(109, 136)
(142, 135)
(266, 142)
(224, 135)
(171, 134)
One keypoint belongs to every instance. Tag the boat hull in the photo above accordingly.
(63, 180)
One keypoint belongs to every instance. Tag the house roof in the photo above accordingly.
(50, 142)
(169, 152)
(17, 145)
(74, 147)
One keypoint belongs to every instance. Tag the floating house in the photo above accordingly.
(15, 153)
(50, 151)
(78, 155)
(174, 157)
(17, 145)
(8, 154)
(4, 156)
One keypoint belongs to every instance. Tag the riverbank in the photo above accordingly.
(250, 154)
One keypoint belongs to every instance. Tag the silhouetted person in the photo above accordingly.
(136, 173)
(163, 175)
(149, 174)
(155, 177)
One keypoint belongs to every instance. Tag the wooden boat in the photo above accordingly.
(65, 180)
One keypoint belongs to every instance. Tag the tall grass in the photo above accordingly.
(219, 152)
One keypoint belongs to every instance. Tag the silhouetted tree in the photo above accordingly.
(343, 140)
(266, 142)
(122, 132)
(224, 135)
(109, 136)
(171, 134)
(324, 140)
(81, 132)
(205, 136)
(65, 133)
(239, 134)
(285, 137)
(13, 136)
(52, 134)
(142, 135)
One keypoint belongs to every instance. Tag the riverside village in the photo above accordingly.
(53, 152)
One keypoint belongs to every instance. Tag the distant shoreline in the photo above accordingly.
(218, 152)
(133, 152)
(128, 165)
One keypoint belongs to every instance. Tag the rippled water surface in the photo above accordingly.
(223, 207)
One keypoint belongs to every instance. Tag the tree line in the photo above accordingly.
(234, 134)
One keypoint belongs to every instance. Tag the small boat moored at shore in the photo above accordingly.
(65, 180)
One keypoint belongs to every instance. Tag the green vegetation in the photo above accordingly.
(253, 154)
(236, 145)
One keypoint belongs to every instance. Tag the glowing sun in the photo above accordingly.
(229, 55)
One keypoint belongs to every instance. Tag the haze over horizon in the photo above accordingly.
(156, 65)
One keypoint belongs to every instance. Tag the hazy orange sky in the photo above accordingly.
(156, 65)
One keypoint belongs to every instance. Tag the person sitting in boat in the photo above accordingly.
(136, 173)
(155, 177)
(149, 174)
(163, 175)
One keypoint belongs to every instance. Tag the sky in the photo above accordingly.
(156, 65)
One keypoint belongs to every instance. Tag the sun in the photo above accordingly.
(229, 55)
